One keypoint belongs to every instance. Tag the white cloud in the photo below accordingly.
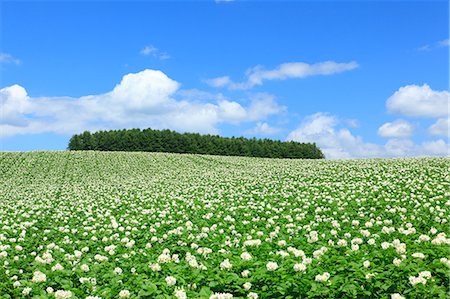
(155, 52)
(444, 43)
(219, 81)
(14, 103)
(437, 147)
(263, 128)
(321, 128)
(219, 1)
(8, 58)
(414, 100)
(440, 44)
(144, 99)
(424, 48)
(352, 123)
(143, 90)
(257, 75)
(232, 111)
(148, 50)
(263, 105)
(398, 128)
(339, 143)
(199, 95)
(440, 127)
(402, 147)
(407, 148)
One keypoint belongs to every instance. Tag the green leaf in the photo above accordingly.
(205, 292)
(150, 288)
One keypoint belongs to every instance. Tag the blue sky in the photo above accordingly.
(361, 79)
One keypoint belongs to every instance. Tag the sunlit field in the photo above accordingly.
(144, 225)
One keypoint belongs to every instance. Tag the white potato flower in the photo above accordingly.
(170, 280)
(118, 271)
(38, 276)
(271, 266)
(415, 280)
(342, 243)
(180, 294)
(299, 267)
(84, 268)
(57, 267)
(124, 294)
(61, 294)
(226, 265)
(445, 261)
(322, 277)
(425, 274)
(419, 255)
(26, 290)
(246, 256)
(221, 296)
(385, 245)
(155, 267)
(252, 295)
(397, 262)
(370, 275)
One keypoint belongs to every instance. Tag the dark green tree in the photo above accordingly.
(173, 142)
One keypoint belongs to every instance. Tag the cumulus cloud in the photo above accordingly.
(440, 127)
(322, 129)
(339, 143)
(145, 99)
(263, 105)
(14, 102)
(398, 128)
(422, 101)
(258, 74)
(8, 58)
(232, 111)
(155, 52)
(436, 147)
(263, 128)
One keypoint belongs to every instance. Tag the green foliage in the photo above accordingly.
(149, 140)
(119, 214)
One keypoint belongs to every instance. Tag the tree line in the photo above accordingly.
(149, 140)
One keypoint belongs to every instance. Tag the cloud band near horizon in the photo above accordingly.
(151, 99)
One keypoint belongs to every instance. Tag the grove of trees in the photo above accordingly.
(149, 140)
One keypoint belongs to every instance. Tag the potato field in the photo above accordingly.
(151, 225)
